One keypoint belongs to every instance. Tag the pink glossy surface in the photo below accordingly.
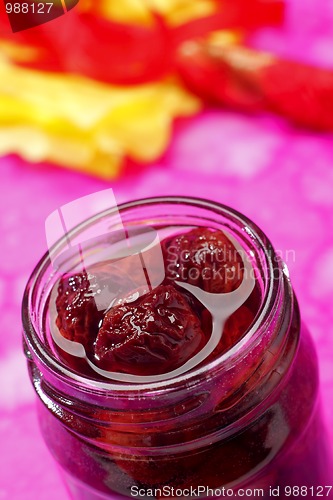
(280, 177)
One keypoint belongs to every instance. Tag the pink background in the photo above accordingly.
(280, 177)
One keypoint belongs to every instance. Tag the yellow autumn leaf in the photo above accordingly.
(84, 124)
(175, 12)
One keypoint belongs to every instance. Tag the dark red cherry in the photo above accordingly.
(83, 299)
(203, 258)
(155, 334)
(78, 317)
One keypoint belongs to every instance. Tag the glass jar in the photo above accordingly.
(250, 419)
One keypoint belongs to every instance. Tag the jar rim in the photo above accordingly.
(188, 378)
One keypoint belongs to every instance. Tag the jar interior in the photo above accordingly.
(99, 239)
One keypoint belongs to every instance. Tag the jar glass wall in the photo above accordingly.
(249, 419)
